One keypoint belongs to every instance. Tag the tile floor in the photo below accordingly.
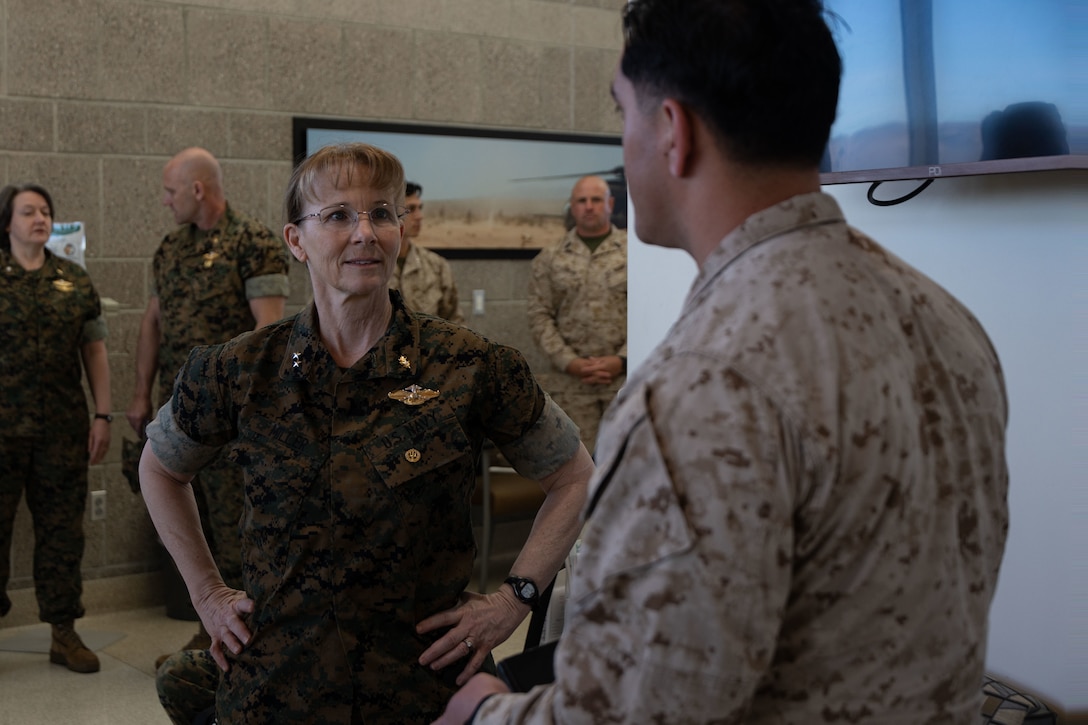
(33, 691)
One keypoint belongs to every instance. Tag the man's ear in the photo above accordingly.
(198, 190)
(678, 129)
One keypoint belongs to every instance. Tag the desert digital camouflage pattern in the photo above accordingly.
(356, 521)
(800, 502)
(46, 316)
(577, 306)
(204, 280)
(426, 283)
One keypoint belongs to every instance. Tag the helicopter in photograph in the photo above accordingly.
(617, 184)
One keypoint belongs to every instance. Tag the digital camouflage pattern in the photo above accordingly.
(186, 683)
(204, 280)
(800, 501)
(577, 306)
(426, 283)
(357, 504)
(46, 316)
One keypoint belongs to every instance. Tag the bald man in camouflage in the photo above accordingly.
(219, 274)
(578, 308)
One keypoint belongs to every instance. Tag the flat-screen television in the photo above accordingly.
(956, 87)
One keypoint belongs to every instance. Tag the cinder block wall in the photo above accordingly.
(96, 95)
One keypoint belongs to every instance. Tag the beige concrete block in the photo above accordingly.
(170, 130)
(73, 182)
(505, 322)
(130, 544)
(134, 218)
(98, 128)
(228, 57)
(478, 17)
(124, 280)
(556, 80)
(260, 136)
(596, 28)
(143, 53)
(246, 184)
(53, 47)
(614, 5)
(447, 85)
(26, 125)
(419, 14)
(501, 279)
(304, 62)
(594, 107)
(539, 21)
(510, 73)
(378, 72)
(278, 176)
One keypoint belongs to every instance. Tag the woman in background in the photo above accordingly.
(50, 320)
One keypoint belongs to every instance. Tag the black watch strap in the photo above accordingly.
(104, 416)
(525, 589)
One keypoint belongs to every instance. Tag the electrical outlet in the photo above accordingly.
(478, 297)
(98, 505)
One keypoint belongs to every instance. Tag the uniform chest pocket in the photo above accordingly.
(212, 275)
(419, 447)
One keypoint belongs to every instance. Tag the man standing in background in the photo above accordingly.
(577, 305)
(423, 277)
(219, 274)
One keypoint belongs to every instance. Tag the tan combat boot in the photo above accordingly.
(68, 650)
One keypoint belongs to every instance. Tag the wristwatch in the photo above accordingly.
(524, 589)
(104, 416)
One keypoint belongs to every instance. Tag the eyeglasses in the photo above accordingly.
(342, 218)
(413, 208)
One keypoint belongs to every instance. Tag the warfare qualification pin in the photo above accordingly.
(414, 395)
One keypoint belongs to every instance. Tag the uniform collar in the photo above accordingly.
(804, 210)
(396, 355)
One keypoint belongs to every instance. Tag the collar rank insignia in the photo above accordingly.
(296, 360)
(209, 259)
(414, 395)
(63, 285)
(404, 363)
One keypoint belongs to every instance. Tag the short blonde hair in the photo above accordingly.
(342, 160)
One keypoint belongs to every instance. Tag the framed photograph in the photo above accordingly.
(486, 193)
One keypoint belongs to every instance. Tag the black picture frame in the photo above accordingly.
(519, 181)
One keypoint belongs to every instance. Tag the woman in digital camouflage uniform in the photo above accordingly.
(359, 425)
(50, 320)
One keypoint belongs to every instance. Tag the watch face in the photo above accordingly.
(528, 591)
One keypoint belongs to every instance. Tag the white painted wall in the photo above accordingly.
(1014, 249)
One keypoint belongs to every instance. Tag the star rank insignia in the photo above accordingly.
(296, 359)
(414, 395)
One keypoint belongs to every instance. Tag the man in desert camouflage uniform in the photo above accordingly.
(800, 504)
(219, 274)
(577, 306)
(423, 277)
(357, 540)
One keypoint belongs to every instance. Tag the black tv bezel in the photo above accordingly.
(966, 168)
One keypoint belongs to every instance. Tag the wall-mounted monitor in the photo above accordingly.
(958, 87)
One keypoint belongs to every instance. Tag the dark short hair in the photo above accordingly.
(411, 188)
(342, 160)
(762, 74)
(7, 208)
